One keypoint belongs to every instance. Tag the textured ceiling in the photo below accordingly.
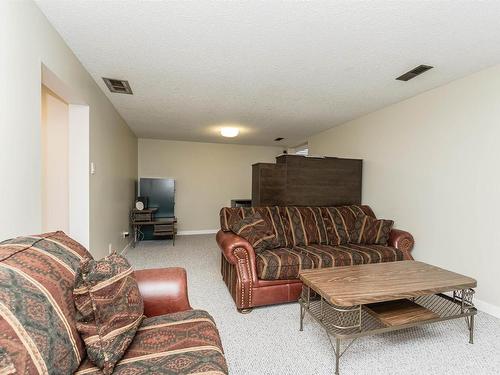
(277, 69)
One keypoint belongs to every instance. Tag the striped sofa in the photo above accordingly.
(309, 237)
(38, 332)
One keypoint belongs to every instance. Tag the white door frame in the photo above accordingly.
(78, 158)
(79, 183)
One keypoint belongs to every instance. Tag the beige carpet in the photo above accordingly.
(268, 341)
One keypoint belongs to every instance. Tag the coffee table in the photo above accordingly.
(354, 301)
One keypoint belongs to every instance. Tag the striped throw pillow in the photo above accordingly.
(368, 230)
(110, 308)
(257, 231)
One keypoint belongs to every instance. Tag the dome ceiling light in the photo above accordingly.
(229, 132)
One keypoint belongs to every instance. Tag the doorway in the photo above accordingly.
(55, 168)
(65, 159)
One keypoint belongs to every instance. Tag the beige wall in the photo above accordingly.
(55, 166)
(432, 164)
(28, 40)
(207, 176)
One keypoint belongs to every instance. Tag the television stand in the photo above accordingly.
(161, 227)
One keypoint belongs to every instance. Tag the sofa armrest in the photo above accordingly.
(164, 290)
(238, 252)
(403, 241)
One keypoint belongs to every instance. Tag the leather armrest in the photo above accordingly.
(228, 242)
(164, 290)
(237, 250)
(403, 241)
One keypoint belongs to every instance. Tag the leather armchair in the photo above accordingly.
(164, 290)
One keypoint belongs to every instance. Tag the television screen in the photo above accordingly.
(160, 193)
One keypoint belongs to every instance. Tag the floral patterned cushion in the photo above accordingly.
(257, 231)
(110, 308)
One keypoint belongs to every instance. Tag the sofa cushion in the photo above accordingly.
(277, 219)
(333, 223)
(305, 225)
(350, 213)
(340, 221)
(336, 228)
(181, 343)
(110, 308)
(231, 215)
(37, 314)
(368, 230)
(286, 263)
(257, 231)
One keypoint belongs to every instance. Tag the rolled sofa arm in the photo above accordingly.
(241, 255)
(237, 250)
(403, 241)
(164, 290)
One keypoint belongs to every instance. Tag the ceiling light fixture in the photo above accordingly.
(229, 132)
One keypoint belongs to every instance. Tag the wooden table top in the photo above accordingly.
(369, 283)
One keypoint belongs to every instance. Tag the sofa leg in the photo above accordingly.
(245, 311)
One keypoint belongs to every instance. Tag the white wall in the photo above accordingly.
(432, 164)
(28, 40)
(55, 165)
(207, 176)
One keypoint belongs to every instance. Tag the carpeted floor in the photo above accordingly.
(268, 341)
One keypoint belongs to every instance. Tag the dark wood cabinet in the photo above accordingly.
(306, 181)
(268, 184)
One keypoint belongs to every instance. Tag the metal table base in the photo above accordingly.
(350, 323)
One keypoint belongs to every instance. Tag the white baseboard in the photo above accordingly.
(487, 308)
(192, 232)
(126, 248)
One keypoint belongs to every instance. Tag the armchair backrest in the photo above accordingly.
(37, 313)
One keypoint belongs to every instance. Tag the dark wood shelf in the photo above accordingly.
(399, 312)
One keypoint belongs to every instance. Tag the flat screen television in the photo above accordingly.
(160, 193)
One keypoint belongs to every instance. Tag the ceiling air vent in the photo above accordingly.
(278, 139)
(414, 72)
(118, 86)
